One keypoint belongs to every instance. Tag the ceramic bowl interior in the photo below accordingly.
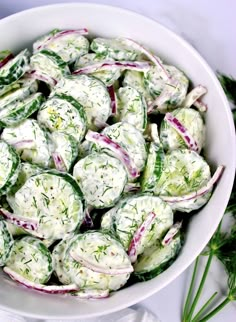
(19, 31)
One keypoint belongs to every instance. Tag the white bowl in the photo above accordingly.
(19, 31)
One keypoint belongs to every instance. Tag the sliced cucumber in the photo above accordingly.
(54, 199)
(49, 63)
(9, 167)
(58, 256)
(5, 89)
(132, 107)
(15, 68)
(101, 251)
(136, 80)
(63, 113)
(68, 46)
(26, 87)
(192, 121)
(27, 170)
(131, 214)
(130, 139)
(108, 77)
(31, 259)
(156, 84)
(113, 48)
(38, 149)
(184, 171)
(16, 112)
(66, 146)
(84, 149)
(153, 168)
(6, 242)
(91, 93)
(102, 179)
(156, 259)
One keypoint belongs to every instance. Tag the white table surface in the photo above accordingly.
(210, 27)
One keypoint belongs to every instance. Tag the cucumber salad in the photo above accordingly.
(101, 162)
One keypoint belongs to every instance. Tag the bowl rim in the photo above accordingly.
(221, 207)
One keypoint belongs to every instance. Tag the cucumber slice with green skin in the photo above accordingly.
(136, 80)
(113, 48)
(55, 200)
(16, 112)
(184, 171)
(31, 259)
(132, 107)
(131, 214)
(27, 170)
(91, 93)
(5, 89)
(66, 146)
(5, 56)
(49, 63)
(108, 77)
(15, 68)
(27, 87)
(38, 150)
(69, 46)
(156, 259)
(153, 168)
(156, 84)
(63, 113)
(130, 139)
(84, 149)
(102, 179)
(9, 167)
(58, 256)
(6, 242)
(191, 120)
(101, 250)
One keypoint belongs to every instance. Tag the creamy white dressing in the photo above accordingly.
(130, 139)
(131, 214)
(101, 178)
(53, 202)
(192, 121)
(184, 171)
(69, 46)
(132, 108)
(90, 93)
(31, 259)
(29, 130)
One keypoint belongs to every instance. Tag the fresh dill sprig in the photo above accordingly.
(221, 245)
(229, 85)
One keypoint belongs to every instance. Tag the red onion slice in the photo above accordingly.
(50, 289)
(182, 131)
(98, 269)
(132, 187)
(139, 234)
(172, 232)
(202, 107)
(92, 294)
(59, 162)
(154, 59)
(82, 31)
(198, 193)
(6, 59)
(120, 153)
(88, 222)
(25, 144)
(42, 77)
(193, 96)
(21, 222)
(112, 94)
(106, 65)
